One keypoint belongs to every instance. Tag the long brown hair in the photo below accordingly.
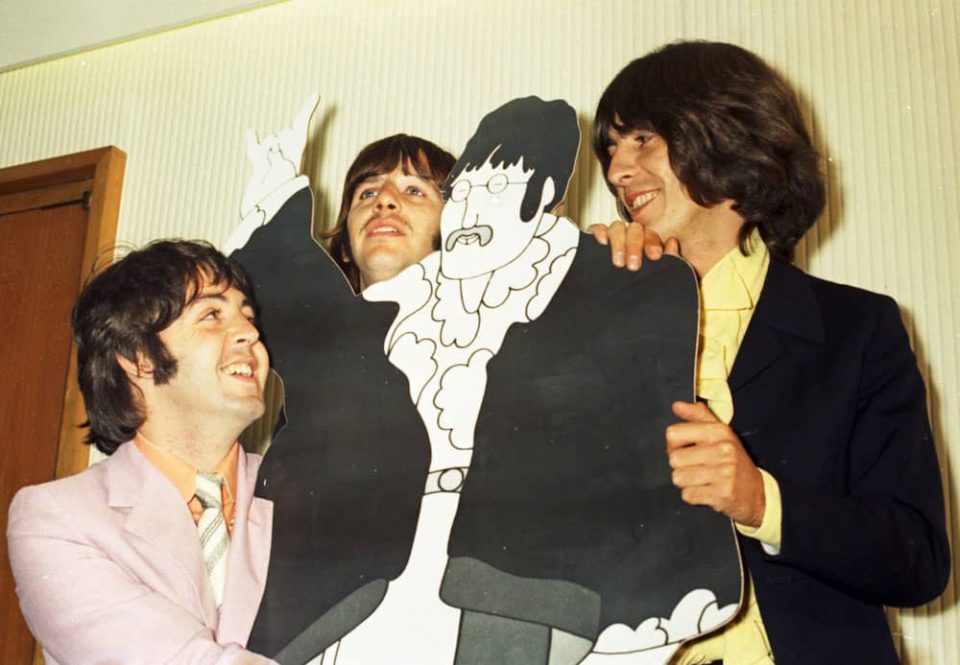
(733, 130)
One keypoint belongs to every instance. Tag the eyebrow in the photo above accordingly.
(372, 177)
(377, 178)
(210, 296)
(203, 298)
(218, 297)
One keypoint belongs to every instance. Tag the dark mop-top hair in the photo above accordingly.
(544, 134)
(122, 310)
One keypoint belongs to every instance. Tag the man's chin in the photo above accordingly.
(248, 411)
(386, 263)
(247, 399)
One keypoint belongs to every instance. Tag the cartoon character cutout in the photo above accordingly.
(542, 527)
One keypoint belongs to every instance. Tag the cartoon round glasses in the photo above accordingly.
(497, 183)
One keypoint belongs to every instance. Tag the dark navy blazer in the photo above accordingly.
(829, 400)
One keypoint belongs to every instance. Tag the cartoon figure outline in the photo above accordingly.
(495, 268)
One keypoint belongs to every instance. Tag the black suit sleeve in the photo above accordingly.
(884, 541)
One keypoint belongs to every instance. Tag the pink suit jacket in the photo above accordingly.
(109, 568)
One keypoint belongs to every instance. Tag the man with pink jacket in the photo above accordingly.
(158, 553)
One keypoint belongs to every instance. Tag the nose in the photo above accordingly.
(470, 219)
(621, 168)
(244, 332)
(388, 198)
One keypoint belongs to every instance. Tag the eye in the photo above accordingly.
(459, 191)
(413, 190)
(211, 314)
(497, 183)
(643, 137)
(368, 193)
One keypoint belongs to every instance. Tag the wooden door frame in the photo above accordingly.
(95, 176)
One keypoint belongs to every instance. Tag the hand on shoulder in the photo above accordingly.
(629, 242)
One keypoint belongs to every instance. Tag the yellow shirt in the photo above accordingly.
(729, 294)
(184, 476)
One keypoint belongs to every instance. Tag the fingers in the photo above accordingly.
(700, 426)
(672, 247)
(681, 435)
(635, 241)
(693, 412)
(720, 499)
(731, 489)
(599, 232)
(652, 245)
(616, 234)
(630, 242)
(710, 466)
(714, 453)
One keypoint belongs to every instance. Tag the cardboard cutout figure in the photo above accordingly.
(527, 514)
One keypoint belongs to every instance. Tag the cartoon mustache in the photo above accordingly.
(484, 232)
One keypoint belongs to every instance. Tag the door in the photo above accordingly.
(52, 221)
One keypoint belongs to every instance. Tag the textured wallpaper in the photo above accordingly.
(880, 84)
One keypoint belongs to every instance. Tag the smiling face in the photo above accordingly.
(481, 226)
(649, 189)
(393, 222)
(221, 367)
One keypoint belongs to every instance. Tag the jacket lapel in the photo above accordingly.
(163, 529)
(787, 305)
(248, 558)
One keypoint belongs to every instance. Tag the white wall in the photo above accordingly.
(881, 84)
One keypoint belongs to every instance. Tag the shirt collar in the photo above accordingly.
(735, 282)
(182, 474)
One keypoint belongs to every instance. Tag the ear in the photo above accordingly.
(546, 195)
(345, 249)
(135, 370)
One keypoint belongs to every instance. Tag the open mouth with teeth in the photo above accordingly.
(637, 202)
(239, 369)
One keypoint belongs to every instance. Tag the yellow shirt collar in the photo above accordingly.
(735, 281)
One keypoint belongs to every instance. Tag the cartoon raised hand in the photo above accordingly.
(275, 166)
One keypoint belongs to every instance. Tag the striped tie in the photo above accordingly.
(214, 537)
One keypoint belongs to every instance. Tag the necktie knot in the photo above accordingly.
(208, 490)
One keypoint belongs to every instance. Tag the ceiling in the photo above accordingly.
(33, 31)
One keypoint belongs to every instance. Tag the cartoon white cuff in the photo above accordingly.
(262, 213)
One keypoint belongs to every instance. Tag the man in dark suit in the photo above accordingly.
(814, 436)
